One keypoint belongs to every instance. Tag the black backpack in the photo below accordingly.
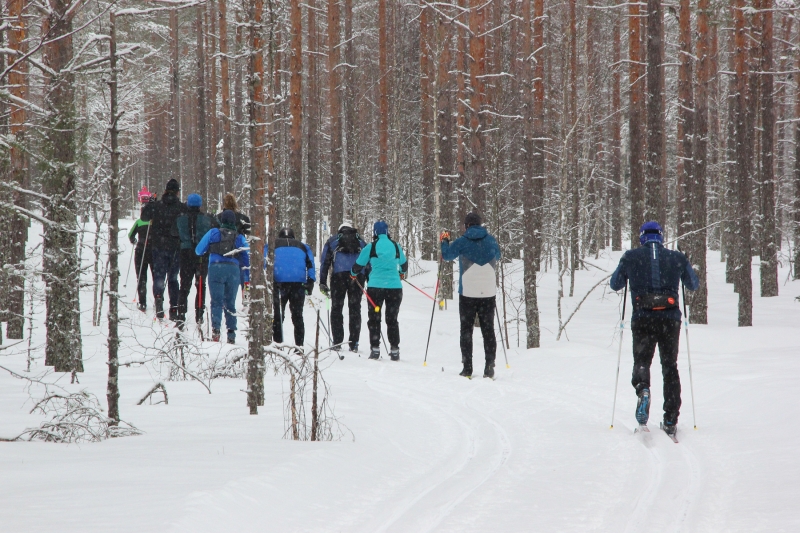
(374, 253)
(348, 242)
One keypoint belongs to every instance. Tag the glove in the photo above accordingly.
(402, 275)
(309, 287)
(324, 289)
(444, 236)
(246, 286)
(133, 240)
(353, 276)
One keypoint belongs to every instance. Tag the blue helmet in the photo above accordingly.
(650, 231)
(194, 200)
(380, 228)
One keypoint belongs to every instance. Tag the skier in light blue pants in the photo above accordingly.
(228, 256)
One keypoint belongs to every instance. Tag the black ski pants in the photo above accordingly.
(193, 268)
(166, 268)
(343, 286)
(388, 300)
(144, 261)
(295, 295)
(647, 333)
(484, 309)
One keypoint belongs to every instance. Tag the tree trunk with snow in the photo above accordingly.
(61, 264)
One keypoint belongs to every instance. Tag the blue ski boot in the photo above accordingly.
(643, 407)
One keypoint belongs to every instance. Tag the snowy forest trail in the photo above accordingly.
(432, 451)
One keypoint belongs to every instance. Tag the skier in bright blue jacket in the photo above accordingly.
(654, 274)
(477, 254)
(294, 277)
(389, 266)
(228, 256)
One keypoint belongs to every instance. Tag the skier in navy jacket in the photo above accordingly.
(338, 256)
(477, 254)
(294, 278)
(654, 273)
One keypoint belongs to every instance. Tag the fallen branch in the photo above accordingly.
(564, 325)
(157, 387)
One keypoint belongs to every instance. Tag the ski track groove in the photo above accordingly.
(648, 498)
(472, 452)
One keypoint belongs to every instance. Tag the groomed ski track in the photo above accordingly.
(432, 451)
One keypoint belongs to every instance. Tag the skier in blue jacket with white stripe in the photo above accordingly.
(228, 256)
(477, 254)
(294, 277)
(654, 274)
(389, 267)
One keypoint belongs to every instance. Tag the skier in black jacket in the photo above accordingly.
(654, 273)
(338, 256)
(166, 243)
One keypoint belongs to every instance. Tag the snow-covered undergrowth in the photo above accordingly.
(531, 451)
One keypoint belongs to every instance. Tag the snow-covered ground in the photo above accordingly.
(431, 451)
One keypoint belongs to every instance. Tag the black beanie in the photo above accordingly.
(173, 185)
(472, 219)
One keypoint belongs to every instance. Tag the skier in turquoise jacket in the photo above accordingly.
(389, 266)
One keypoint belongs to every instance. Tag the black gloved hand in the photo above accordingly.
(309, 287)
(133, 241)
(324, 290)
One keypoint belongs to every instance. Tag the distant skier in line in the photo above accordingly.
(338, 256)
(477, 252)
(139, 235)
(654, 273)
(389, 266)
(294, 276)
(192, 226)
(166, 242)
(228, 260)
(242, 220)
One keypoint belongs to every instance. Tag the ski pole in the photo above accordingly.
(499, 325)
(420, 290)
(619, 353)
(371, 302)
(128, 275)
(688, 353)
(435, 294)
(141, 264)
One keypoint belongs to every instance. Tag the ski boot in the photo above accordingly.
(670, 429)
(643, 407)
(215, 334)
(159, 303)
(467, 372)
(354, 347)
(488, 371)
(142, 307)
(174, 315)
(375, 352)
(394, 353)
(231, 336)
